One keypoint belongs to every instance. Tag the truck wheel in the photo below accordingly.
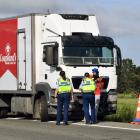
(37, 108)
(41, 109)
(101, 114)
(77, 114)
(44, 109)
(101, 117)
(3, 112)
(75, 117)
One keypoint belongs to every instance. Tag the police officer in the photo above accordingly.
(87, 87)
(63, 93)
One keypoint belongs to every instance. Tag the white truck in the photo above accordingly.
(34, 48)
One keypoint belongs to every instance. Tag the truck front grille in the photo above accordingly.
(76, 81)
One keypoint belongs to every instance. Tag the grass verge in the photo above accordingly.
(126, 109)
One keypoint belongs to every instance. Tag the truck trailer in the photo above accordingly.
(34, 48)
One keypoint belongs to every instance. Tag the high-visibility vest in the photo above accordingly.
(64, 86)
(88, 85)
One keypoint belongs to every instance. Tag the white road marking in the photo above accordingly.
(107, 126)
(83, 124)
(10, 118)
(102, 126)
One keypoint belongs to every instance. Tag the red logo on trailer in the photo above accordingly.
(7, 58)
(8, 46)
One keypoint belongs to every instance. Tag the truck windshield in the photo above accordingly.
(87, 53)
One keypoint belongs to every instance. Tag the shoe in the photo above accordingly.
(93, 122)
(58, 123)
(88, 122)
(65, 123)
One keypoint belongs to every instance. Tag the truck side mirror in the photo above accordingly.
(50, 54)
(119, 58)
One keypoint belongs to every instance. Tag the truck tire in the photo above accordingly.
(101, 117)
(101, 114)
(37, 109)
(44, 116)
(75, 117)
(77, 114)
(3, 112)
(41, 109)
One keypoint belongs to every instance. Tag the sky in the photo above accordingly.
(119, 19)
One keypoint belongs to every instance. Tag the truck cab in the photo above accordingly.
(72, 43)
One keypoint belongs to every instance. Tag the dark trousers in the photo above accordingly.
(63, 101)
(89, 99)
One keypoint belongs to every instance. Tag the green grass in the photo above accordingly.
(126, 109)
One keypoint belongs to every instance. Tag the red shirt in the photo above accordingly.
(99, 86)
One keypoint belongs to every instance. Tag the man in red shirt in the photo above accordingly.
(99, 86)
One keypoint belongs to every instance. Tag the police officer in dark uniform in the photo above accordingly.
(87, 87)
(63, 93)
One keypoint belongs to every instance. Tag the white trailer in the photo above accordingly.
(33, 50)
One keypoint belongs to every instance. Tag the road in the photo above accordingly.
(23, 129)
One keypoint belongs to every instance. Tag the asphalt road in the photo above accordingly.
(22, 129)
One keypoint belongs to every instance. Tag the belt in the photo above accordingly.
(88, 91)
(64, 92)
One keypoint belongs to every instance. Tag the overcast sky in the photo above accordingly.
(119, 19)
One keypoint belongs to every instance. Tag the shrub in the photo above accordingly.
(126, 109)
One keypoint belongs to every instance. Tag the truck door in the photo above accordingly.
(21, 59)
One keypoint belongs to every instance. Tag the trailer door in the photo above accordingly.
(21, 59)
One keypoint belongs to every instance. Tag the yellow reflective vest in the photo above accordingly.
(64, 86)
(87, 85)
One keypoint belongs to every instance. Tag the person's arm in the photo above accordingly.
(56, 92)
(80, 87)
(71, 92)
(72, 97)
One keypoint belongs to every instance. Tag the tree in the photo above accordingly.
(129, 78)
